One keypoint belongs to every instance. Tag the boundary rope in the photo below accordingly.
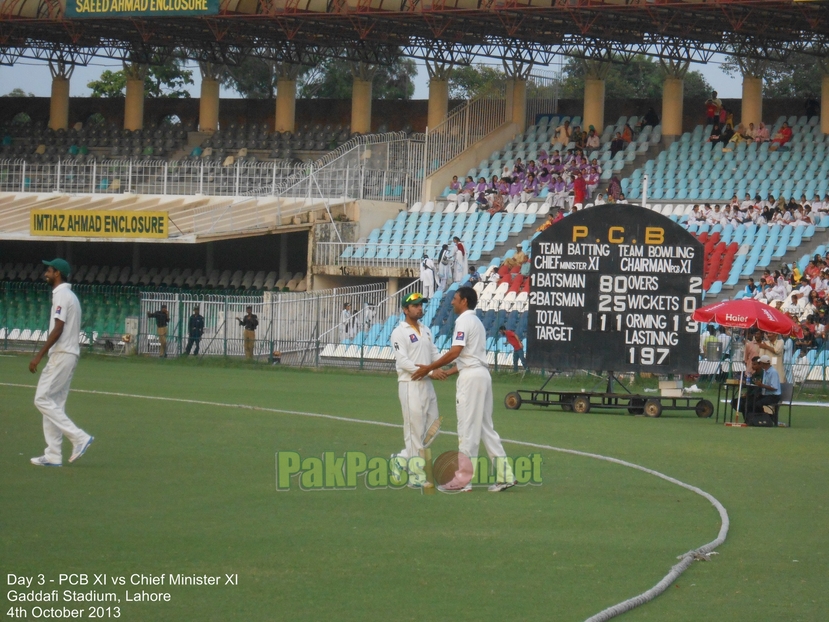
(686, 559)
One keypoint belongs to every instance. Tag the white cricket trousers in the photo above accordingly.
(473, 401)
(50, 400)
(420, 409)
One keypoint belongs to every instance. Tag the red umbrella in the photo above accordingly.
(747, 313)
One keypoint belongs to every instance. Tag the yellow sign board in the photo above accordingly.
(98, 224)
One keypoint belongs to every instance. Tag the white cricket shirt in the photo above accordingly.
(65, 307)
(412, 348)
(471, 335)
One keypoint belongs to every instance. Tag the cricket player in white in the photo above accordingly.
(413, 348)
(63, 346)
(473, 395)
(428, 276)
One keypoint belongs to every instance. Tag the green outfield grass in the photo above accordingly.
(174, 487)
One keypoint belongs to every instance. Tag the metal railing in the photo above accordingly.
(542, 94)
(288, 322)
(373, 254)
(384, 171)
(185, 177)
(465, 125)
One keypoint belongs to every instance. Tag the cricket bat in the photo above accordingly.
(432, 432)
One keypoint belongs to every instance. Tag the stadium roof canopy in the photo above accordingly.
(449, 31)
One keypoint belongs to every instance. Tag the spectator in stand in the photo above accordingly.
(517, 348)
(599, 200)
(559, 190)
(695, 217)
(467, 192)
(812, 107)
(727, 116)
(627, 134)
(806, 343)
(738, 137)
(480, 194)
(474, 275)
(592, 141)
(562, 134)
(515, 189)
(714, 136)
(592, 181)
(530, 189)
(751, 289)
(498, 204)
(650, 118)
(617, 144)
(712, 107)
(783, 136)
(547, 223)
(622, 198)
(579, 190)
(455, 186)
(518, 259)
(726, 135)
(578, 137)
(762, 134)
(614, 189)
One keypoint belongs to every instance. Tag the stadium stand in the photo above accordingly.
(693, 169)
(110, 294)
(538, 141)
(411, 234)
(165, 279)
(39, 144)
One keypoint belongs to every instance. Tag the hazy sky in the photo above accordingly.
(34, 77)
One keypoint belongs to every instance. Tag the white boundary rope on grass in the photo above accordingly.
(686, 559)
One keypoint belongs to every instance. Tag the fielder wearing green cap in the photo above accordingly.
(64, 348)
(61, 265)
(414, 348)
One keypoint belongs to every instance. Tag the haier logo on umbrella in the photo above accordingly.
(735, 318)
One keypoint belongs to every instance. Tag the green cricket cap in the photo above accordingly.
(415, 298)
(59, 264)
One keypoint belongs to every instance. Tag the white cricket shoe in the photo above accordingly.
(501, 486)
(44, 461)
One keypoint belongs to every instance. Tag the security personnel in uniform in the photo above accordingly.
(162, 318)
(195, 328)
(250, 322)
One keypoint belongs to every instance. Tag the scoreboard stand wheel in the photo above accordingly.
(581, 404)
(512, 401)
(636, 407)
(704, 409)
(653, 408)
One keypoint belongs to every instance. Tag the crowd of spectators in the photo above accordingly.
(803, 296)
(563, 174)
(725, 133)
(768, 211)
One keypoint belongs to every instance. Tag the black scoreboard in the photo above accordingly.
(612, 289)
